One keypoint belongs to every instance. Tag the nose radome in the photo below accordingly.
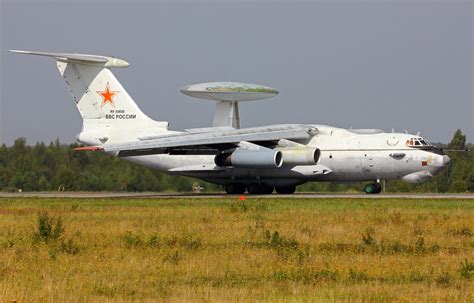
(446, 160)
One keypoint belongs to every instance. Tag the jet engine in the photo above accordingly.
(300, 156)
(250, 158)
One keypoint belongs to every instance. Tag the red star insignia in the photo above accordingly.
(108, 96)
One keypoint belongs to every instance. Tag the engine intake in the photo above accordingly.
(300, 156)
(251, 158)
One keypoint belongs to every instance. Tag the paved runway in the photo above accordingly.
(210, 196)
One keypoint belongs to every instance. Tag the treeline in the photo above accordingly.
(57, 167)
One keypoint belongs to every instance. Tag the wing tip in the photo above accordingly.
(18, 51)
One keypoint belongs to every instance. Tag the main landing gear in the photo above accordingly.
(286, 190)
(373, 188)
(257, 189)
(235, 189)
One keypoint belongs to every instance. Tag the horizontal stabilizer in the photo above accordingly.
(79, 58)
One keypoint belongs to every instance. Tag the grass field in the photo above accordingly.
(222, 249)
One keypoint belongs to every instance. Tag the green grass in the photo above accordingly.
(222, 249)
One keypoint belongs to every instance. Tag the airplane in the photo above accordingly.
(257, 160)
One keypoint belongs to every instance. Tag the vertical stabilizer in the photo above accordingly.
(107, 109)
(99, 95)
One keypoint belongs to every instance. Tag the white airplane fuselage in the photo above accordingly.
(345, 155)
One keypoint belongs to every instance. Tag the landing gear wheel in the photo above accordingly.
(374, 188)
(255, 189)
(378, 188)
(267, 190)
(369, 189)
(285, 190)
(235, 188)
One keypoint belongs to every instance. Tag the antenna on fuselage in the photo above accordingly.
(228, 95)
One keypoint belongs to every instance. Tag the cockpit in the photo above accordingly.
(418, 143)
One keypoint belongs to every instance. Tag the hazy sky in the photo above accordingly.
(361, 64)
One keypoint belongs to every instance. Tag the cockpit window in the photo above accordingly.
(417, 142)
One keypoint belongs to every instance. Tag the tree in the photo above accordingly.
(460, 171)
(458, 141)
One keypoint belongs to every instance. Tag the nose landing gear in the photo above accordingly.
(373, 188)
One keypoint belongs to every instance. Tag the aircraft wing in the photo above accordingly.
(212, 141)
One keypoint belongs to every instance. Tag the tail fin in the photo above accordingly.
(100, 98)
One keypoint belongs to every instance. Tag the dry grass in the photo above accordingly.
(301, 250)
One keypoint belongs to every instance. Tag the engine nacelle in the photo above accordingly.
(251, 158)
(300, 156)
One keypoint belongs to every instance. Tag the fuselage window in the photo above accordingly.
(423, 142)
(417, 142)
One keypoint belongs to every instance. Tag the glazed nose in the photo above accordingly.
(446, 160)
